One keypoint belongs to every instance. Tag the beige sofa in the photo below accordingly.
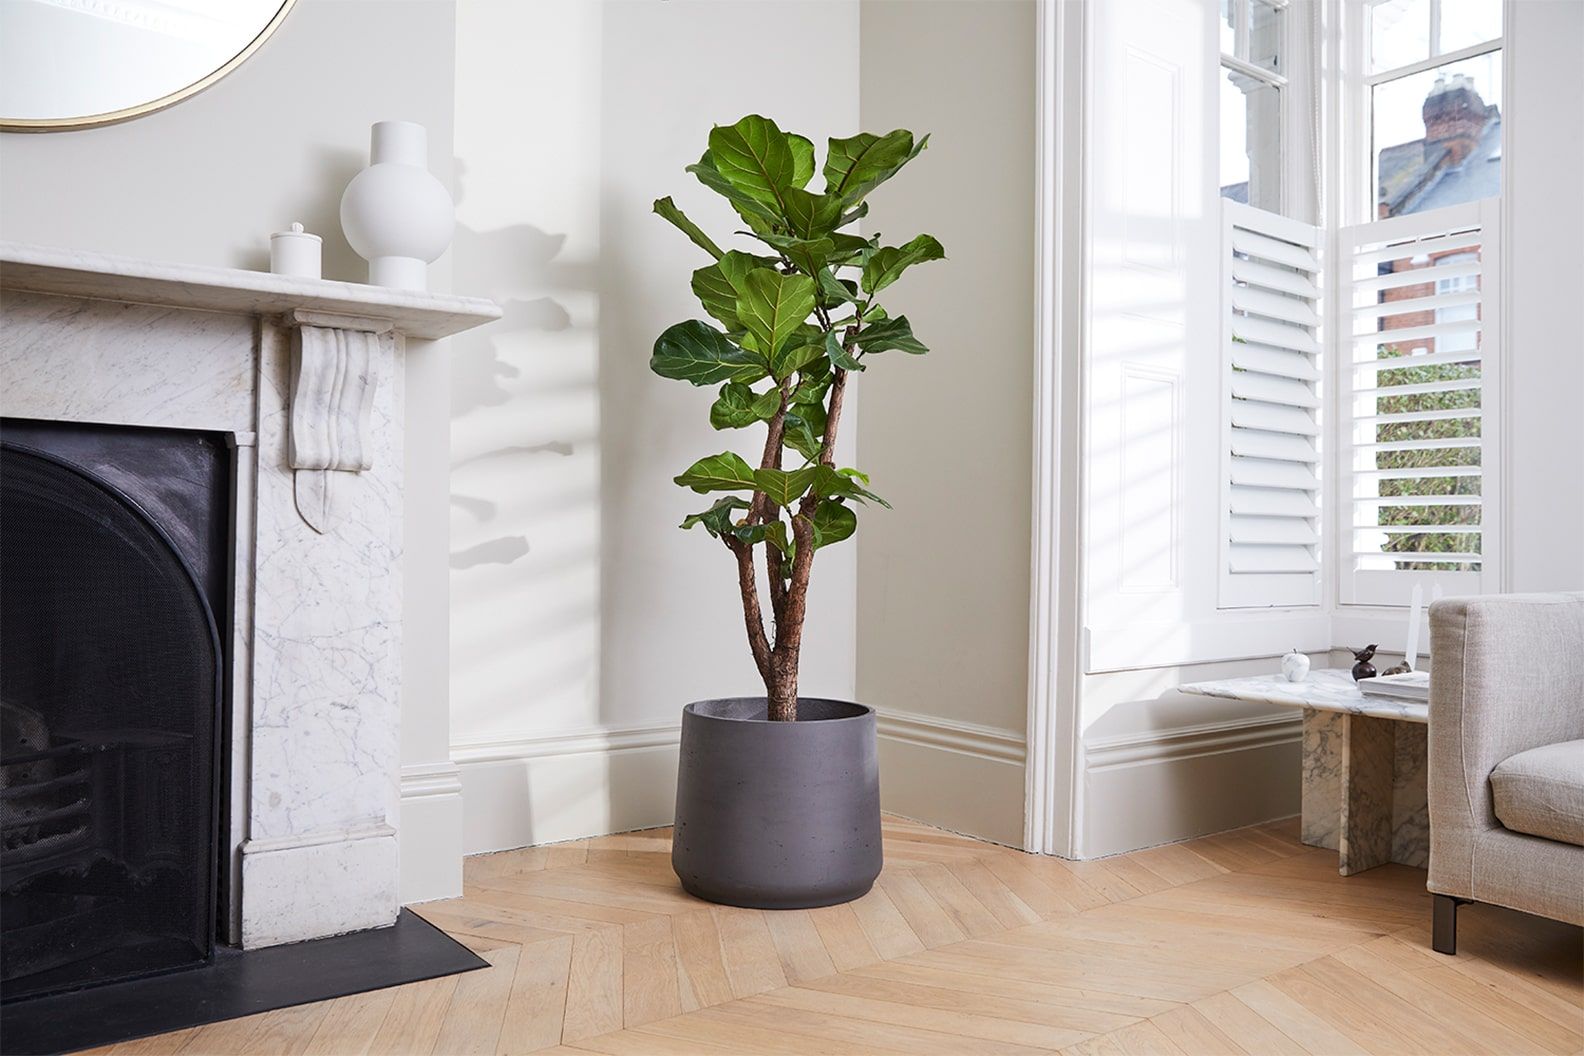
(1506, 766)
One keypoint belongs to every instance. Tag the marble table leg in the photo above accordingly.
(1322, 778)
(1369, 757)
(1410, 810)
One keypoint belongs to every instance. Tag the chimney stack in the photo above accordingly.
(1454, 116)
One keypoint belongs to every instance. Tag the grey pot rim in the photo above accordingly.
(865, 711)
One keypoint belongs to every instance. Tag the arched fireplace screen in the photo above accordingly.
(110, 688)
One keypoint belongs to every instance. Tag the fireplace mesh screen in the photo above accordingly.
(109, 691)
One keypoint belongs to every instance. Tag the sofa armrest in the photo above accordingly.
(1506, 675)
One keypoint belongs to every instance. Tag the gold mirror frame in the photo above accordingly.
(114, 117)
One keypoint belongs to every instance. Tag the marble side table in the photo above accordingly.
(1363, 766)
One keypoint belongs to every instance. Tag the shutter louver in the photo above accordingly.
(1416, 396)
(1271, 400)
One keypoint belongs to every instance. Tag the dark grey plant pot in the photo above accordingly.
(777, 815)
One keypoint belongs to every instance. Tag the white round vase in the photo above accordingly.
(395, 213)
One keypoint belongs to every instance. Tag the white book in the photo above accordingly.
(1412, 685)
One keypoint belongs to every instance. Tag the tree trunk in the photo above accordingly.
(783, 691)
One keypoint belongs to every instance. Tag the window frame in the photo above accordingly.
(1238, 62)
(1346, 86)
(1356, 149)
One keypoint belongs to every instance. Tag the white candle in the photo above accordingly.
(1411, 654)
(295, 253)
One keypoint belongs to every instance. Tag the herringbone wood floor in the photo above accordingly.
(1245, 942)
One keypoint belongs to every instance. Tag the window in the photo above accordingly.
(1417, 352)
(1417, 454)
(1253, 76)
(1433, 97)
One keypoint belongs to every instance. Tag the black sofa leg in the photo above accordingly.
(1443, 924)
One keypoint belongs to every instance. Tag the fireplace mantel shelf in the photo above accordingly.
(101, 276)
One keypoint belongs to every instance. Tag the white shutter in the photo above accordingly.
(1270, 472)
(1416, 403)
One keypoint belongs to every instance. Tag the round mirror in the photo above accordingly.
(67, 64)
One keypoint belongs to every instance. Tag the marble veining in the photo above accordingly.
(1363, 766)
(1325, 690)
(317, 644)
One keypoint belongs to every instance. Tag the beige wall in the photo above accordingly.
(583, 619)
(207, 180)
(943, 578)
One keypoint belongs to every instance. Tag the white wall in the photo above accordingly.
(582, 618)
(943, 577)
(208, 179)
(1544, 151)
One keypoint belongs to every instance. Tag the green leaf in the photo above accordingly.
(805, 429)
(846, 484)
(888, 334)
(802, 159)
(717, 520)
(809, 254)
(666, 208)
(739, 406)
(718, 285)
(886, 265)
(834, 291)
(857, 165)
(756, 157)
(773, 306)
(810, 215)
(759, 215)
(833, 522)
(797, 352)
(696, 352)
(838, 354)
(723, 472)
(774, 532)
(784, 486)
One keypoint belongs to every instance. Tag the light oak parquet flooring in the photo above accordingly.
(1242, 942)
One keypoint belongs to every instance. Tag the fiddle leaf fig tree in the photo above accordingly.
(791, 318)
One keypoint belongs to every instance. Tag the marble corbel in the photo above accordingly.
(334, 375)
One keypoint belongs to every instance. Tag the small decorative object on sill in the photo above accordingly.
(395, 213)
(1363, 669)
(296, 253)
(1397, 669)
(1295, 666)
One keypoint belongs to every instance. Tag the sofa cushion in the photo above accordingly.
(1541, 792)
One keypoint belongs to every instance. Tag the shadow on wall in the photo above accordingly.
(524, 490)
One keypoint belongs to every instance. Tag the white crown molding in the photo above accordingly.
(1187, 742)
(965, 738)
(571, 742)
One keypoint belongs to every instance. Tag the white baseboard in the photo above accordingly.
(566, 786)
(926, 763)
(430, 832)
(1160, 786)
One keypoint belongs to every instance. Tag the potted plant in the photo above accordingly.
(778, 800)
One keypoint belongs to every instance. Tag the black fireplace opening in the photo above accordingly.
(114, 584)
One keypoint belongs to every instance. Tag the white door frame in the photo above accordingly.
(1054, 765)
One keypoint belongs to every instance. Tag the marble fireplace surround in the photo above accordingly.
(306, 376)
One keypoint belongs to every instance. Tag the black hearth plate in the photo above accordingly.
(236, 983)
